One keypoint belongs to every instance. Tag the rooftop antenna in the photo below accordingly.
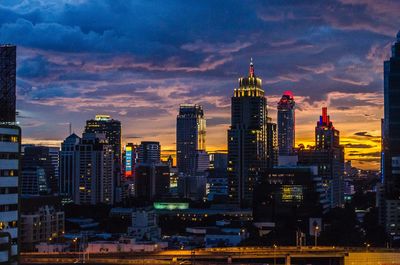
(70, 128)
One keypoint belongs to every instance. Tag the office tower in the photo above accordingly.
(272, 143)
(10, 145)
(326, 136)
(149, 152)
(87, 169)
(328, 155)
(8, 65)
(68, 164)
(190, 137)
(391, 141)
(247, 139)
(44, 157)
(112, 130)
(152, 181)
(286, 123)
(33, 181)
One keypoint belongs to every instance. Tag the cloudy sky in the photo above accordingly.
(138, 60)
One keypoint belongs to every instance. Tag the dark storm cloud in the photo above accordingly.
(365, 134)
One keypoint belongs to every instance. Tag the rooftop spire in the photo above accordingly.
(251, 69)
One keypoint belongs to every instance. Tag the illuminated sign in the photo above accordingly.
(128, 161)
(171, 205)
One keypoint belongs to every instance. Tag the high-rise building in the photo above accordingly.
(8, 66)
(10, 150)
(190, 137)
(328, 156)
(87, 169)
(149, 152)
(272, 143)
(112, 129)
(247, 139)
(68, 164)
(10, 145)
(44, 157)
(391, 129)
(286, 123)
(33, 181)
(326, 136)
(151, 181)
(391, 143)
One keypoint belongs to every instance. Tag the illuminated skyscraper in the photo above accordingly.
(247, 139)
(391, 142)
(190, 137)
(286, 123)
(112, 129)
(326, 136)
(328, 156)
(7, 83)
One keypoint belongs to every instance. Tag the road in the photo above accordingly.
(236, 255)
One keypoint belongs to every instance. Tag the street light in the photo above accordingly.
(275, 246)
(316, 229)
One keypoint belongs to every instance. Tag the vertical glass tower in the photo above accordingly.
(247, 139)
(7, 83)
(190, 137)
(391, 127)
(286, 123)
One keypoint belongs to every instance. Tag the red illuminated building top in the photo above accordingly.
(324, 120)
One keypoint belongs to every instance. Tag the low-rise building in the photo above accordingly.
(144, 224)
(124, 244)
(42, 220)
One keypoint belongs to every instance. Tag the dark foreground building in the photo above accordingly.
(289, 196)
(390, 207)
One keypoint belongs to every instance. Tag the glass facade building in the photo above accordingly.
(190, 137)
(8, 54)
(286, 123)
(391, 125)
(247, 139)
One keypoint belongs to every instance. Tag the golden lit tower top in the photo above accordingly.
(250, 86)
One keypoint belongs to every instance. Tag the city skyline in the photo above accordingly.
(71, 68)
